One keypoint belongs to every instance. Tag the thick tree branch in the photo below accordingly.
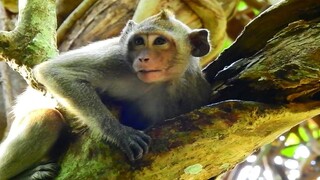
(258, 32)
(212, 140)
(285, 70)
(33, 40)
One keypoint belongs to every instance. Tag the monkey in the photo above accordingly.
(151, 70)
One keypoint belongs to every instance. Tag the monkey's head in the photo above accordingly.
(161, 48)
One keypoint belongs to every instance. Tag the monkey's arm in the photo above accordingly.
(73, 78)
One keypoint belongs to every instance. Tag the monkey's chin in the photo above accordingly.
(151, 76)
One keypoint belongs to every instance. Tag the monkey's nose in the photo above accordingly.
(143, 59)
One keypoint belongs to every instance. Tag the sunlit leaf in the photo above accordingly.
(256, 12)
(316, 134)
(242, 6)
(292, 139)
(289, 151)
(303, 134)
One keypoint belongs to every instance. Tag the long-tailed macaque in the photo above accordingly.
(151, 70)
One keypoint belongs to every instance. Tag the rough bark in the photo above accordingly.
(285, 70)
(258, 32)
(280, 67)
(33, 40)
(198, 145)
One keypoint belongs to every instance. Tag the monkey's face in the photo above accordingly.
(153, 58)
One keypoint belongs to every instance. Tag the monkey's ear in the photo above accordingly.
(199, 40)
(129, 27)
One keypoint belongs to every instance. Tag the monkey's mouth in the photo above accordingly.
(149, 71)
(151, 75)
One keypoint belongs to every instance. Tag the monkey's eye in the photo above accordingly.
(160, 41)
(138, 41)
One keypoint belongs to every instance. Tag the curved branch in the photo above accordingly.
(33, 40)
(35, 32)
(210, 140)
(72, 18)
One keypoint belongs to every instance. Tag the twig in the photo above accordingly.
(72, 18)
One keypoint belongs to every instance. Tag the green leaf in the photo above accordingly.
(292, 139)
(303, 134)
(242, 6)
(289, 151)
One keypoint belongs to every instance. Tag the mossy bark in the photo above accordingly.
(198, 145)
(33, 40)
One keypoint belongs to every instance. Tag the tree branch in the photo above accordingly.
(72, 18)
(212, 139)
(33, 40)
(247, 45)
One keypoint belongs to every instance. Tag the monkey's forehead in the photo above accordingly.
(169, 33)
(171, 26)
(152, 29)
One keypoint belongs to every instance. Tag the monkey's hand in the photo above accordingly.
(132, 142)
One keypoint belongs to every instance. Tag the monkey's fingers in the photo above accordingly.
(42, 171)
(135, 147)
(127, 150)
(138, 147)
(137, 150)
(144, 142)
(146, 138)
